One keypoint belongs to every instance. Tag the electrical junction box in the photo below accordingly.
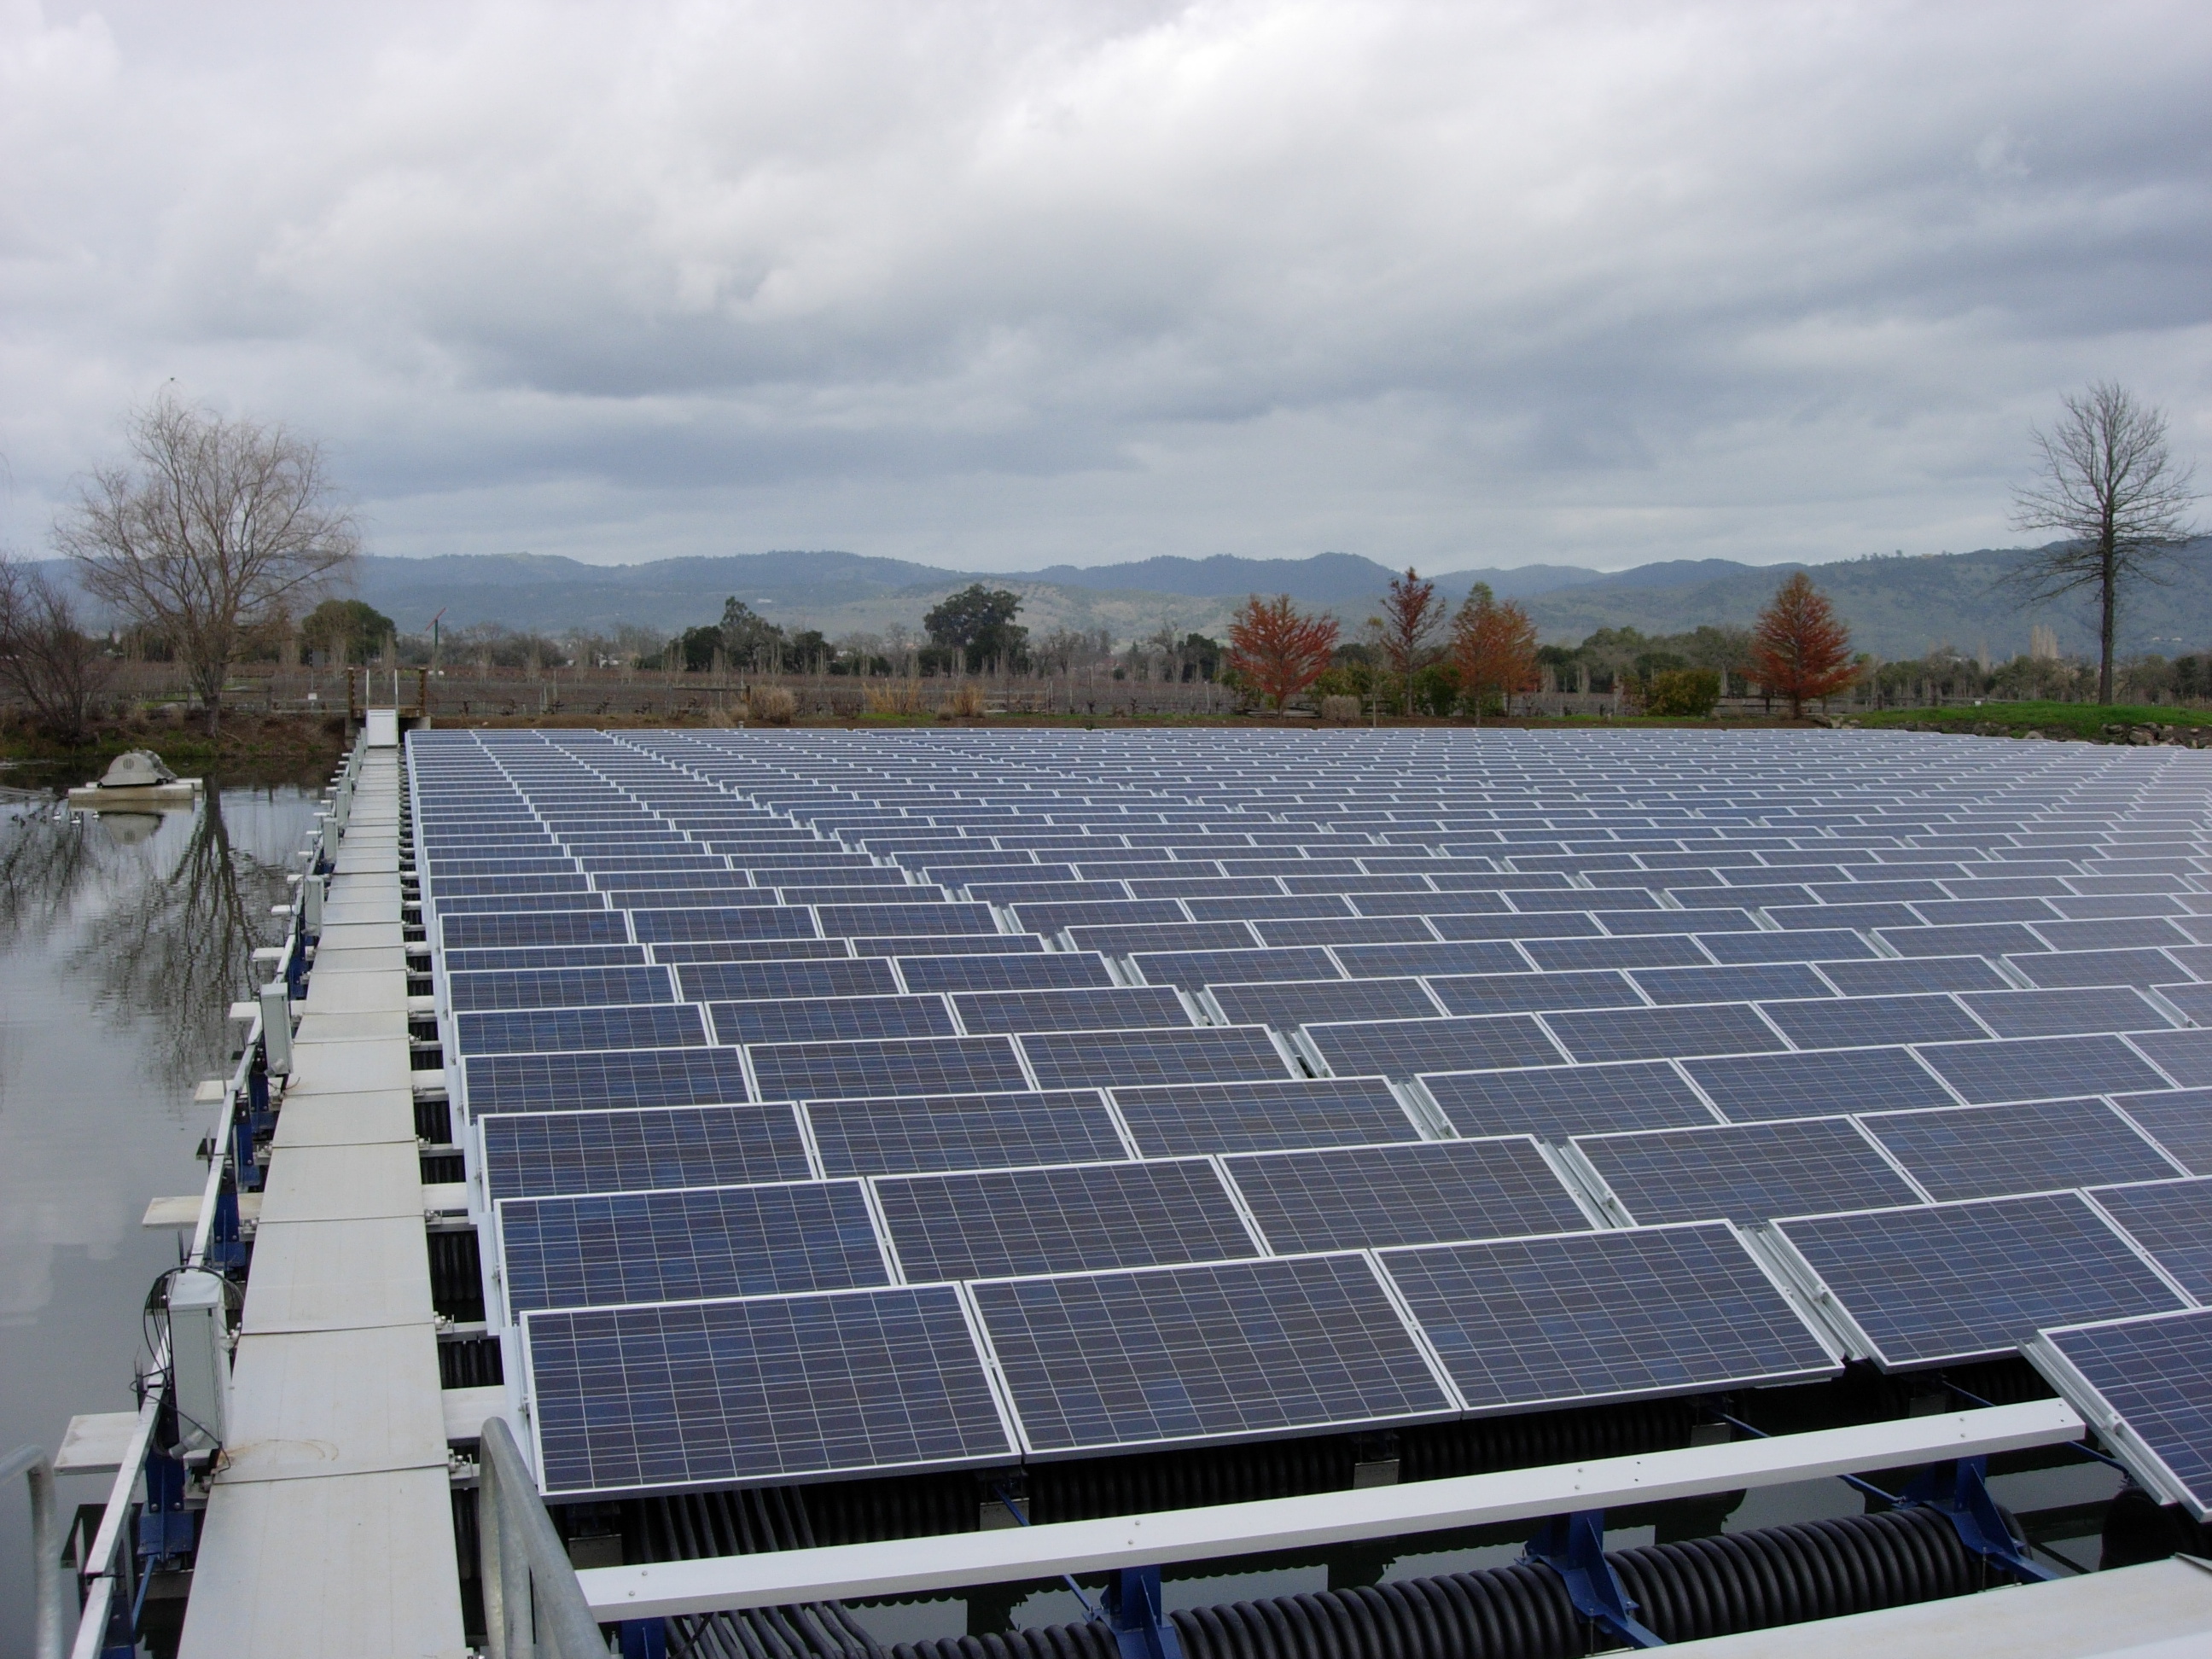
(199, 1357)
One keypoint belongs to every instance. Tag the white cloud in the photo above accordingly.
(997, 284)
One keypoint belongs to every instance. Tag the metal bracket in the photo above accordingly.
(1573, 1546)
(1958, 1490)
(1132, 1603)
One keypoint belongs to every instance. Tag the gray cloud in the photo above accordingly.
(992, 284)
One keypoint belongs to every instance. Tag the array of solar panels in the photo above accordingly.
(843, 1102)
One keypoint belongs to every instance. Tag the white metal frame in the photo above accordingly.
(921, 1565)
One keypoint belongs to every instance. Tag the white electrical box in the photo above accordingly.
(199, 1357)
(383, 728)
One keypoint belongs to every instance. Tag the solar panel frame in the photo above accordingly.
(540, 1154)
(1319, 1199)
(926, 1133)
(1404, 1049)
(1176, 1120)
(2140, 1382)
(1746, 1173)
(1558, 1102)
(1195, 1054)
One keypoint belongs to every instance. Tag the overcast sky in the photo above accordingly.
(998, 285)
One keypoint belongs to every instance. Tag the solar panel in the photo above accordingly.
(550, 1031)
(1194, 970)
(1020, 971)
(2064, 1013)
(1005, 1223)
(1948, 1282)
(1505, 993)
(1404, 1048)
(2059, 968)
(1803, 945)
(824, 1020)
(830, 976)
(1605, 1315)
(1400, 961)
(548, 955)
(1121, 1007)
(1739, 982)
(1752, 1087)
(529, 1154)
(1453, 923)
(1176, 1120)
(557, 987)
(2142, 1382)
(1186, 936)
(704, 923)
(758, 1391)
(752, 950)
(508, 930)
(1288, 1004)
(1890, 976)
(891, 1066)
(1746, 1172)
(946, 944)
(2185, 1056)
(1664, 951)
(1213, 1053)
(2172, 1221)
(1996, 940)
(1650, 1033)
(1862, 1022)
(677, 1245)
(1425, 1193)
(1556, 1102)
(2180, 1121)
(1231, 1351)
(912, 1134)
(2041, 1068)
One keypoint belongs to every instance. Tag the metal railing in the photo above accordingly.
(534, 1606)
(32, 1462)
(110, 1587)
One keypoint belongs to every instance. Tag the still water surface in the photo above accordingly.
(123, 940)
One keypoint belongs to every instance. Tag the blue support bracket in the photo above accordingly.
(1960, 1492)
(165, 1526)
(645, 1639)
(1573, 1546)
(226, 1246)
(1142, 1629)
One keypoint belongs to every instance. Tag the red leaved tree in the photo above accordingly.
(1800, 647)
(1493, 645)
(1277, 649)
(1410, 614)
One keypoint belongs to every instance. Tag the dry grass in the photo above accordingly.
(773, 706)
(966, 701)
(1339, 708)
(895, 697)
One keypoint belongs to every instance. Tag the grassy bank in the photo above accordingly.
(2085, 720)
(244, 739)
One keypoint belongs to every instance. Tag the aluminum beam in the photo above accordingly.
(907, 1566)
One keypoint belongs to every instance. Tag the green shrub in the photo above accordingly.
(1436, 688)
(1686, 693)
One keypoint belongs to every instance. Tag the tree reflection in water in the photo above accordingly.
(169, 924)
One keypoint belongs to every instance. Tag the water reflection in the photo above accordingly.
(123, 940)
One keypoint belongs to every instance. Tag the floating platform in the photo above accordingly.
(137, 797)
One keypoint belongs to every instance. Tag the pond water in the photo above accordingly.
(123, 940)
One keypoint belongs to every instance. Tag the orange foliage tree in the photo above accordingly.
(1493, 645)
(1277, 649)
(1800, 647)
(1411, 613)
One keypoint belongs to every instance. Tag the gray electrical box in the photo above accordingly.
(199, 1357)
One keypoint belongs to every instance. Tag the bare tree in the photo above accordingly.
(53, 667)
(211, 528)
(1412, 613)
(2106, 483)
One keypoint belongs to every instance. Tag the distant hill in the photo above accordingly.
(1897, 607)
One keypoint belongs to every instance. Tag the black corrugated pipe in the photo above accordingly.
(1700, 1587)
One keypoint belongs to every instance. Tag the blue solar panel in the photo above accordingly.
(2172, 1221)
(824, 977)
(1890, 976)
(2066, 1013)
(825, 1019)
(2059, 968)
(1512, 993)
(2041, 1068)
(557, 987)
(1262, 1116)
(1184, 936)
(1194, 970)
(529, 1154)
(1016, 972)
(552, 1030)
(758, 1391)
(1803, 945)
(548, 956)
(1404, 1048)
(1863, 1022)
(2001, 938)
(946, 944)
(2185, 1056)
(1399, 961)
(706, 924)
(752, 950)
(895, 1066)
(911, 1134)
(598, 1249)
(2180, 1121)
(1953, 1282)
(1752, 1087)
(1664, 951)
(1008, 1222)
(1557, 1102)
(1357, 1197)
(1742, 982)
(1175, 1355)
(1605, 1315)
(2142, 1382)
(1121, 1007)
(1288, 1004)
(1748, 1172)
(510, 929)
(1213, 1053)
(1612, 1033)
